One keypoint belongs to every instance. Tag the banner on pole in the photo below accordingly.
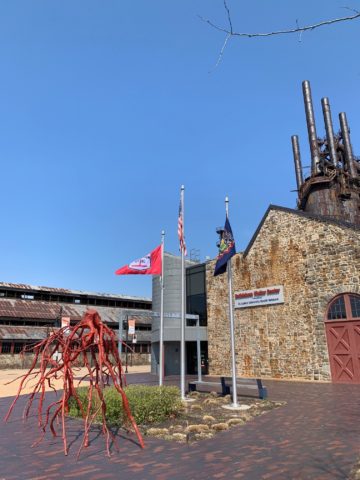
(131, 327)
(65, 322)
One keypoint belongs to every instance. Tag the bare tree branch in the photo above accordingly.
(221, 52)
(351, 9)
(230, 31)
(229, 16)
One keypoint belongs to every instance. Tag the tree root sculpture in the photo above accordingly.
(89, 343)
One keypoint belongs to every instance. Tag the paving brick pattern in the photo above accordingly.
(316, 436)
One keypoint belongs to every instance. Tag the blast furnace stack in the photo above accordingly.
(333, 187)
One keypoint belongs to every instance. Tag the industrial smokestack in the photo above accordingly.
(329, 130)
(347, 145)
(297, 161)
(310, 120)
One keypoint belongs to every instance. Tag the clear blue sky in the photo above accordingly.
(107, 107)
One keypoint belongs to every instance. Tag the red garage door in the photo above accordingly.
(343, 338)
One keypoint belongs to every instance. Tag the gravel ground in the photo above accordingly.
(15, 375)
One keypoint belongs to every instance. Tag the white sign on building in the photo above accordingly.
(259, 297)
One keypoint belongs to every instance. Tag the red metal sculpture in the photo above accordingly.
(89, 343)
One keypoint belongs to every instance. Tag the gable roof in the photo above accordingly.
(41, 310)
(311, 216)
(65, 291)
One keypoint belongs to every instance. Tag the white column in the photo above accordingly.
(231, 315)
(161, 340)
(183, 304)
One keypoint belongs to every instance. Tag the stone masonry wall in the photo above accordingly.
(314, 261)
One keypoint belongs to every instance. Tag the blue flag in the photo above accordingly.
(226, 248)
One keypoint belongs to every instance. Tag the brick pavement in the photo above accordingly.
(314, 437)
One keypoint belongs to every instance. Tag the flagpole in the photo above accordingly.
(183, 304)
(231, 314)
(161, 340)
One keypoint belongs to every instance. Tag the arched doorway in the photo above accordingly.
(342, 325)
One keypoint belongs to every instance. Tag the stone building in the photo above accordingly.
(296, 287)
(314, 260)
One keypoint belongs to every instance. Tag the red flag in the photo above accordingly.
(148, 265)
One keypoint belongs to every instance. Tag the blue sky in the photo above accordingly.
(106, 108)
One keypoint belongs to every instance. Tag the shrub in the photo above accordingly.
(157, 432)
(82, 393)
(220, 426)
(208, 418)
(148, 404)
(194, 394)
(203, 435)
(234, 421)
(180, 437)
(197, 428)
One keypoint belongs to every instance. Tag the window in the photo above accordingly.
(143, 328)
(18, 347)
(337, 309)
(344, 307)
(27, 296)
(196, 292)
(191, 322)
(355, 306)
(6, 347)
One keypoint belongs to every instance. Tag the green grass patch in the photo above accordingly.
(148, 404)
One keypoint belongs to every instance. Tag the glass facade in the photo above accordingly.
(196, 292)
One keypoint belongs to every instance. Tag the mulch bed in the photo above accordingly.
(205, 416)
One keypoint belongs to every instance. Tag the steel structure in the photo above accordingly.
(333, 187)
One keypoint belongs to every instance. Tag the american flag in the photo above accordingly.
(182, 247)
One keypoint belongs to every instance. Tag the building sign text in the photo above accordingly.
(259, 297)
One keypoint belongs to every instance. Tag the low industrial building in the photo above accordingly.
(195, 327)
(29, 313)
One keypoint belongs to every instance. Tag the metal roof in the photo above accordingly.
(16, 308)
(35, 309)
(23, 333)
(22, 286)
